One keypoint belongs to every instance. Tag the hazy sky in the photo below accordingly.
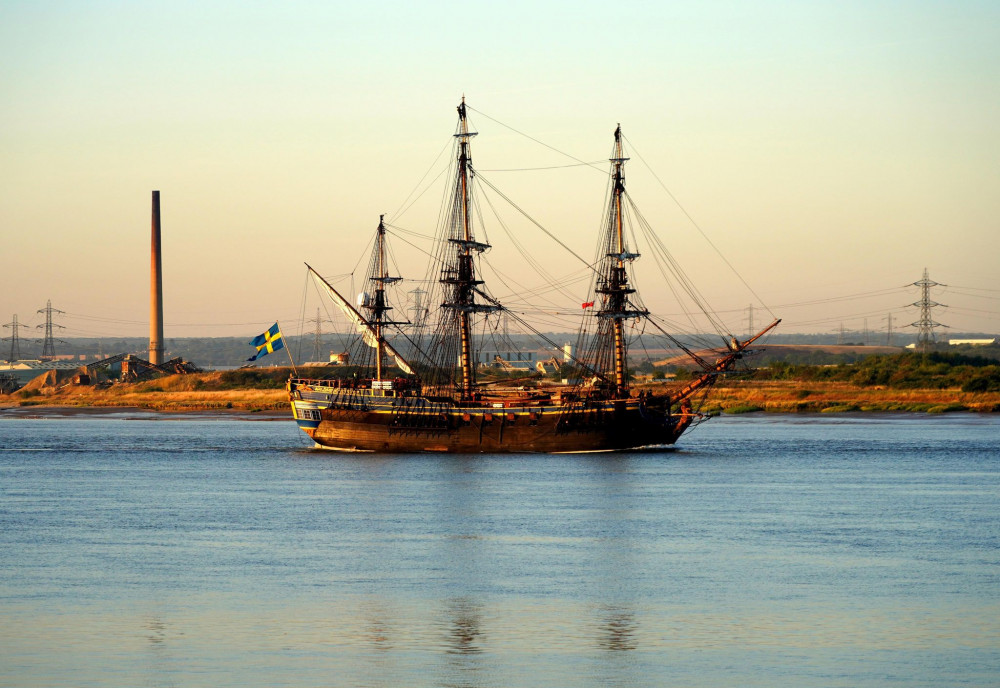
(828, 149)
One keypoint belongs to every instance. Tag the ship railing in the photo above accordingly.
(380, 388)
(420, 415)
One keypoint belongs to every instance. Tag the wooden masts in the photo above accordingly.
(618, 163)
(613, 282)
(459, 275)
(466, 267)
(365, 326)
(379, 306)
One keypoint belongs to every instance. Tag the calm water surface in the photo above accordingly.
(764, 551)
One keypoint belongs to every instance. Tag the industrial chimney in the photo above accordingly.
(156, 289)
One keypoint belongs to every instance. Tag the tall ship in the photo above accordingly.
(430, 392)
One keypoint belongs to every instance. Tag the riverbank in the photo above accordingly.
(215, 392)
(136, 413)
(84, 400)
(207, 393)
(791, 396)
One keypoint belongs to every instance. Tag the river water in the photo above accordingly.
(763, 551)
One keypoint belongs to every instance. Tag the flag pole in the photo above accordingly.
(288, 350)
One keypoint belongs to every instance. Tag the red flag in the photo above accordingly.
(589, 304)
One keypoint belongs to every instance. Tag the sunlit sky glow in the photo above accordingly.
(828, 149)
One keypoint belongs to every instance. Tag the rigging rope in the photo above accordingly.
(536, 223)
(696, 226)
(402, 211)
(655, 176)
(541, 143)
(551, 167)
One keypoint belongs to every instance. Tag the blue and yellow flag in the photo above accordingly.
(267, 343)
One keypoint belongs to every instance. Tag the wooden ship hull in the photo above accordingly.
(364, 422)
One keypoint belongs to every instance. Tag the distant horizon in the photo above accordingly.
(876, 338)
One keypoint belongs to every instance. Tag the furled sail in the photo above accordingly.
(368, 334)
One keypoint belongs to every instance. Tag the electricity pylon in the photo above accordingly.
(318, 337)
(15, 342)
(926, 324)
(48, 344)
(418, 314)
(888, 330)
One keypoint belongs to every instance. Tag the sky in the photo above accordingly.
(808, 158)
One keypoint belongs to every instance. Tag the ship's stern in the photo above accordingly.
(307, 414)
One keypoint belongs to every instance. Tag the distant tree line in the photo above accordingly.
(911, 370)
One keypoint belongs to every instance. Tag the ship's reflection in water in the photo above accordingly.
(760, 553)
(377, 628)
(464, 645)
(538, 608)
(157, 652)
(463, 634)
(617, 630)
(463, 553)
(156, 633)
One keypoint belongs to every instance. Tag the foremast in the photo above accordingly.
(378, 306)
(372, 324)
(458, 274)
(613, 282)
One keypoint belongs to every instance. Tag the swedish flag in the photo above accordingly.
(267, 343)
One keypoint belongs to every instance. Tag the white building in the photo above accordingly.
(973, 342)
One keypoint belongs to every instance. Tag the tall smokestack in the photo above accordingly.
(156, 289)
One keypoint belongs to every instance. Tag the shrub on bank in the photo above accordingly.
(985, 380)
(742, 408)
(254, 378)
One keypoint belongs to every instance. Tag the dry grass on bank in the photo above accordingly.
(832, 397)
(214, 392)
(193, 392)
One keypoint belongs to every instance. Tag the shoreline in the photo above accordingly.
(44, 412)
(187, 397)
(135, 413)
(39, 411)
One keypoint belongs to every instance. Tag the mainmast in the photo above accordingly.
(458, 275)
(613, 280)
